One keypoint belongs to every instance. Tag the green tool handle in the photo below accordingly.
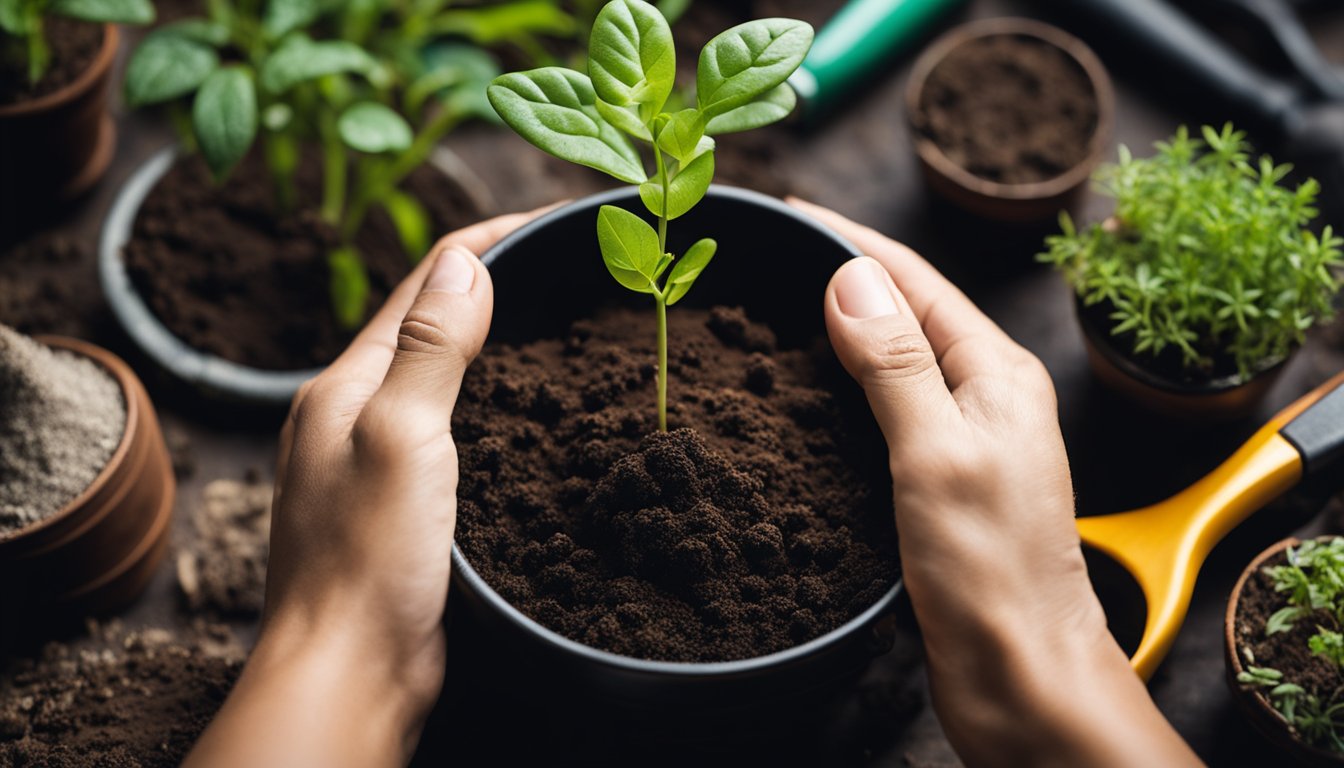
(857, 41)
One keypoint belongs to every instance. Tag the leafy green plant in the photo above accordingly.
(372, 83)
(590, 119)
(1313, 582)
(1207, 255)
(22, 32)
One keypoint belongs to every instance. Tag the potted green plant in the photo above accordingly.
(1285, 650)
(56, 137)
(668, 506)
(1205, 280)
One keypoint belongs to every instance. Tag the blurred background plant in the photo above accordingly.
(23, 35)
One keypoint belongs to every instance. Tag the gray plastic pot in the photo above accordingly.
(775, 262)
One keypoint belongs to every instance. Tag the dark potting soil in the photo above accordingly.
(74, 46)
(762, 520)
(229, 273)
(1009, 109)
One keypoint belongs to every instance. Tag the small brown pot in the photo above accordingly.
(99, 551)
(58, 146)
(1015, 203)
(1253, 704)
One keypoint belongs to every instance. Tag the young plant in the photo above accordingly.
(1208, 255)
(591, 119)
(1313, 581)
(23, 37)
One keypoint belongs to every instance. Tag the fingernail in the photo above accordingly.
(454, 272)
(864, 290)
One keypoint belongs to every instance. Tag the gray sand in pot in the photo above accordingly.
(61, 418)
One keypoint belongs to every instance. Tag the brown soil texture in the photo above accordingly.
(223, 569)
(74, 46)
(762, 520)
(1009, 109)
(229, 273)
(47, 286)
(125, 700)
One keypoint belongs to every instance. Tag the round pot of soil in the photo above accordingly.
(1277, 679)
(744, 558)
(56, 137)
(87, 492)
(229, 294)
(1009, 117)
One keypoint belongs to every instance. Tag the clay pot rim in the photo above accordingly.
(121, 373)
(1015, 26)
(1233, 658)
(462, 568)
(107, 54)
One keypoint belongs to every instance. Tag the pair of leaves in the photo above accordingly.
(630, 250)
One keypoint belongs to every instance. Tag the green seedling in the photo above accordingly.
(590, 119)
(373, 84)
(22, 33)
(1208, 254)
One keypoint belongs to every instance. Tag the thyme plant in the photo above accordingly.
(590, 119)
(23, 36)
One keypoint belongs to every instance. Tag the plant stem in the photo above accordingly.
(334, 170)
(401, 166)
(662, 361)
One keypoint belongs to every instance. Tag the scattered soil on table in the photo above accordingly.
(118, 700)
(61, 418)
(74, 46)
(47, 285)
(761, 521)
(1009, 109)
(230, 274)
(224, 568)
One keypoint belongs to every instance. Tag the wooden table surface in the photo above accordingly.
(861, 163)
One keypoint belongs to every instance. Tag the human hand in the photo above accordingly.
(1022, 667)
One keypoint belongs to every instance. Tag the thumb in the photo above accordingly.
(879, 341)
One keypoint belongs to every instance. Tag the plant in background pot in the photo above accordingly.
(56, 56)
(1205, 280)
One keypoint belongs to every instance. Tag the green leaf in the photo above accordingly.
(774, 105)
(1282, 619)
(115, 11)
(555, 109)
(349, 286)
(299, 59)
(201, 31)
(16, 19)
(505, 22)
(225, 118)
(458, 74)
(747, 61)
(684, 190)
(688, 268)
(411, 220)
(284, 16)
(165, 67)
(680, 137)
(624, 118)
(631, 58)
(373, 128)
(629, 247)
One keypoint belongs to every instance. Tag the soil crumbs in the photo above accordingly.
(224, 568)
(74, 46)
(761, 521)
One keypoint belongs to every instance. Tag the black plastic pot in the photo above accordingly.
(775, 262)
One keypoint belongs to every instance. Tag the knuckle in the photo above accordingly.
(899, 354)
(424, 331)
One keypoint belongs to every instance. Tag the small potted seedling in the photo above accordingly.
(56, 137)
(1205, 280)
(662, 503)
(1285, 647)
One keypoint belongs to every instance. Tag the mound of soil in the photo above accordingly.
(223, 569)
(1009, 109)
(761, 521)
(74, 46)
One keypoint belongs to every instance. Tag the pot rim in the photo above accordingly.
(1071, 46)
(121, 373)
(102, 62)
(681, 669)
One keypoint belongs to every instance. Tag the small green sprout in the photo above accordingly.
(21, 25)
(589, 119)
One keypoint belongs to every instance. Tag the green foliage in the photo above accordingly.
(21, 24)
(592, 119)
(225, 116)
(1208, 254)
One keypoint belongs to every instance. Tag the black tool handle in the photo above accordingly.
(1318, 434)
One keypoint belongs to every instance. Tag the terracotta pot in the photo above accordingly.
(1015, 203)
(1220, 399)
(1253, 704)
(99, 551)
(59, 145)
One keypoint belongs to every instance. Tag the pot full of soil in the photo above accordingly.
(1009, 118)
(744, 558)
(227, 292)
(56, 136)
(1248, 647)
(86, 488)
